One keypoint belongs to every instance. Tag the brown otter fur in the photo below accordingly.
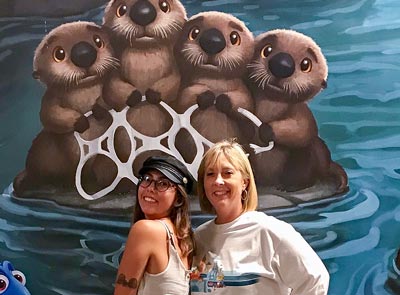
(71, 61)
(212, 52)
(144, 33)
(289, 69)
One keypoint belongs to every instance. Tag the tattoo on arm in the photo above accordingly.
(132, 283)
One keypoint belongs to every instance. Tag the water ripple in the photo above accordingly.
(372, 144)
(9, 206)
(308, 25)
(397, 216)
(360, 211)
(343, 10)
(330, 237)
(353, 247)
(351, 67)
(219, 2)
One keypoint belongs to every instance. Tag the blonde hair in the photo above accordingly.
(235, 154)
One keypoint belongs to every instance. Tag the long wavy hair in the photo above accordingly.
(235, 154)
(180, 218)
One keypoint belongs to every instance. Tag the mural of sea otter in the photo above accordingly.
(72, 61)
(144, 33)
(212, 52)
(288, 69)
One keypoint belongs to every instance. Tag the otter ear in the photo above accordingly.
(93, 28)
(269, 38)
(324, 84)
(50, 40)
(198, 20)
(36, 75)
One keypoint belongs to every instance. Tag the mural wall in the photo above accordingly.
(88, 91)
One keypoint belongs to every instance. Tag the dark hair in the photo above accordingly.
(180, 214)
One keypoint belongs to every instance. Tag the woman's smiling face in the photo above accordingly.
(156, 204)
(223, 186)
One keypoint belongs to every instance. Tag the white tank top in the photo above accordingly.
(173, 280)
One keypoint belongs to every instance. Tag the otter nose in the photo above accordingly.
(212, 41)
(282, 65)
(83, 54)
(143, 13)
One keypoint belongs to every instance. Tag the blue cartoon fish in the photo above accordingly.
(12, 281)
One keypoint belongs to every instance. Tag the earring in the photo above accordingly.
(245, 195)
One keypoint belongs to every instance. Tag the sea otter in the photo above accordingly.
(287, 70)
(72, 61)
(144, 33)
(212, 52)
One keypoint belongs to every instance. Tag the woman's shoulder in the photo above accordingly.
(204, 227)
(266, 222)
(146, 237)
(149, 229)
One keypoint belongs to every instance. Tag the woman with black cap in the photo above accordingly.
(159, 248)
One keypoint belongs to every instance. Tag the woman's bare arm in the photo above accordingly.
(142, 240)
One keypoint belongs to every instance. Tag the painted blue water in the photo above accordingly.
(64, 251)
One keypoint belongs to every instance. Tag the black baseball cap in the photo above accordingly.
(171, 168)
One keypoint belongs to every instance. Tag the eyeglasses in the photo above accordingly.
(161, 185)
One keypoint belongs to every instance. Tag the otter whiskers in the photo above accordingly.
(259, 74)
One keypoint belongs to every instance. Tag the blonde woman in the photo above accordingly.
(243, 251)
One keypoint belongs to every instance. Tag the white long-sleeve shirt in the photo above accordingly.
(257, 254)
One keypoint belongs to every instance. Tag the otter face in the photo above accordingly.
(288, 65)
(144, 21)
(73, 54)
(215, 42)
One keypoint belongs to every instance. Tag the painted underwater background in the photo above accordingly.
(69, 251)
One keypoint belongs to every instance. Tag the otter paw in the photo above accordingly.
(152, 96)
(134, 98)
(223, 103)
(205, 99)
(81, 125)
(249, 130)
(248, 150)
(266, 133)
(99, 112)
(20, 183)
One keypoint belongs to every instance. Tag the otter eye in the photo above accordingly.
(266, 51)
(194, 33)
(98, 41)
(164, 6)
(59, 54)
(306, 65)
(121, 10)
(235, 38)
